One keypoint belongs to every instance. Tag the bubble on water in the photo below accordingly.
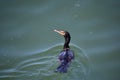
(77, 5)
(76, 15)
(11, 38)
(90, 32)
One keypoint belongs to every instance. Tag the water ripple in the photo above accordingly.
(42, 65)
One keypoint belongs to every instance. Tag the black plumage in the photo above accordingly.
(66, 55)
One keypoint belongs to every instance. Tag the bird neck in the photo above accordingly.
(67, 41)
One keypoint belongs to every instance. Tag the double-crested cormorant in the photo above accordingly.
(66, 55)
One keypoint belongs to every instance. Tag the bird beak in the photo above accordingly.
(60, 32)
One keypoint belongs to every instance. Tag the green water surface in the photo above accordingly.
(29, 47)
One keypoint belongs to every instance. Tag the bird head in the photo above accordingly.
(61, 32)
(66, 36)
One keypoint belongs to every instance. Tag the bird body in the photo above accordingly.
(66, 55)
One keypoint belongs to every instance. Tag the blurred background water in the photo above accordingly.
(29, 47)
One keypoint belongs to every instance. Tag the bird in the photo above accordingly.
(66, 55)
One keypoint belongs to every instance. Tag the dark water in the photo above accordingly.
(29, 47)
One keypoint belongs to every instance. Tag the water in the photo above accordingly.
(29, 47)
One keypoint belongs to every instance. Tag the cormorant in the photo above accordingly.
(66, 55)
